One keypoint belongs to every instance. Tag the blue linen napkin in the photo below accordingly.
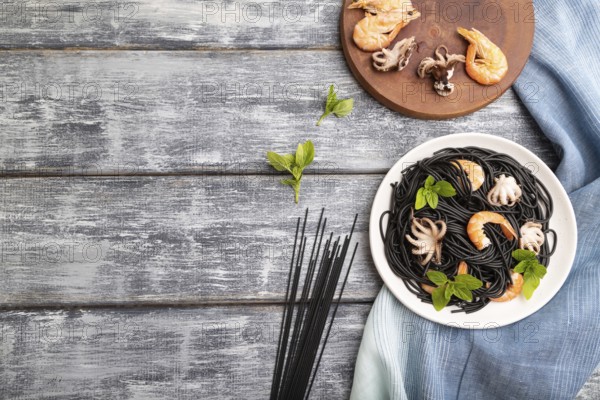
(550, 354)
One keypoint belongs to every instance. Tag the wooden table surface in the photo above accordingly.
(144, 238)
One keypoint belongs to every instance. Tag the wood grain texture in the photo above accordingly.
(159, 353)
(169, 240)
(90, 112)
(178, 24)
(591, 389)
(191, 353)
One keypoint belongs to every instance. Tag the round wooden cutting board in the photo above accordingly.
(508, 23)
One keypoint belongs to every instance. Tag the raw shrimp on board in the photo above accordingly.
(376, 31)
(382, 22)
(377, 6)
(485, 62)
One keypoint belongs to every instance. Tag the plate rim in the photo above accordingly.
(480, 140)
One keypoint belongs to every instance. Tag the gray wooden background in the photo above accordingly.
(144, 241)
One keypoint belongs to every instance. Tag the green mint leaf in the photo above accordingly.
(529, 287)
(459, 284)
(444, 189)
(534, 272)
(437, 277)
(309, 149)
(279, 162)
(531, 269)
(343, 107)
(420, 199)
(295, 184)
(297, 172)
(439, 298)
(521, 267)
(539, 270)
(469, 281)
(331, 100)
(299, 156)
(323, 116)
(330, 103)
(290, 158)
(307, 154)
(294, 164)
(522, 255)
(430, 192)
(427, 193)
(449, 290)
(429, 181)
(463, 293)
(431, 197)
(530, 276)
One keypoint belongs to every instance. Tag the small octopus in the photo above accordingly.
(506, 192)
(396, 57)
(532, 237)
(441, 70)
(427, 240)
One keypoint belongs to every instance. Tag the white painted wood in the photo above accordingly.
(123, 112)
(174, 240)
(161, 353)
(169, 240)
(178, 24)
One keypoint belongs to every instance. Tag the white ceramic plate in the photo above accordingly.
(494, 314)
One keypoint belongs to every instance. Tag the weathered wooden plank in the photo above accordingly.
(191, 353)
(170, 239)
(179, 24)
(105, 112)
(591, 389)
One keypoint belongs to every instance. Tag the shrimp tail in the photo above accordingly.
(392, 35)
(508, 231)
(467, 34)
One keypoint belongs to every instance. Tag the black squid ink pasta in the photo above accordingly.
(493, 264)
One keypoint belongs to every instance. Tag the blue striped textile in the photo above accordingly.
(550, 354)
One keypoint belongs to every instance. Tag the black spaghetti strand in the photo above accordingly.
(491, 265)
(303, 334)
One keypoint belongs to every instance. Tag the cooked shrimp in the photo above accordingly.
(513, 289)
(377, 6)
(375, 32)
(474, 172)
(462, 269)
(428, 288)
(485, 62)
(479, 219)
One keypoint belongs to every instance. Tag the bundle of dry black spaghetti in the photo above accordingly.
(303, 333)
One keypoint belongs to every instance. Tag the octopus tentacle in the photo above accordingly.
(427, 240)
(506, 192)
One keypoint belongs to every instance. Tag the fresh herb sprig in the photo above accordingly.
(531, 269)
(339, 108)
(430, 192)
(294, 164)
(461, 287)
